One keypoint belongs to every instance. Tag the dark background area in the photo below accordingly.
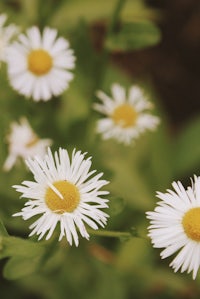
(174, 64)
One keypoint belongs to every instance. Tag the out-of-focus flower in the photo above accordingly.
(23, 142)
(63, 192)
(126, 116)
(39, 64)
(7, 33)
(175, 226)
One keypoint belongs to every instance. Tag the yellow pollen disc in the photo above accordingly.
(68, 203)
(124, 115)
(32, 141)
(191, 224)
(39, 62)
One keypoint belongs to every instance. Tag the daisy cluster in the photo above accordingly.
(65, 193)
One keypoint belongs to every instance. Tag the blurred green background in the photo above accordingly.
(151, 43)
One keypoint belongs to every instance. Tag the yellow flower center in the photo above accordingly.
(39, 62)
(32, 141)
(191, 224)
(65, 198)
(124, 115)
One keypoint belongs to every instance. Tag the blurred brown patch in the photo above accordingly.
(101, 253)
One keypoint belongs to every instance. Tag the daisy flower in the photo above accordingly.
(125, 116)
(23, 142)
(39, 64)
(6, 35)
(64, 192)
(175, 226)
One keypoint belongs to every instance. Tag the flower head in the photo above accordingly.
(63, 192)
(39, 64)
(23, 142)
(6, 35)
(175, 226)
(126, 116)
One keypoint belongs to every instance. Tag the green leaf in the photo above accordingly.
(13, 246)
(187, 149)
(25, 256)
(92, 11)
(3, 231)
(18, 267)
(133, 36)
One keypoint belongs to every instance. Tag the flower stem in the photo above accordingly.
(107, 233)
(115, 234)
(111, 27)
(115, 16)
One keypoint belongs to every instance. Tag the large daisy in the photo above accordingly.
(126, 116)
(39, 65)
(23, 142)
(65, 192)
(7, 33)
(175, 226)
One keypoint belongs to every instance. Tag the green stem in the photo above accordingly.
(114, 234)
(115, 16)
(107, 233)
(111, 27)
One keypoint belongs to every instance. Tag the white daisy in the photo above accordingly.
(126, 116)
(23, 142)
(175, 226)
(64, 192)
(7, 33)
(39, 64)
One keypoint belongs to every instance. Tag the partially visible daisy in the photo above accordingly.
(7, 33)
(64, 192)
(23, 142)
(39, 65)
(175, 226)
(126, 116)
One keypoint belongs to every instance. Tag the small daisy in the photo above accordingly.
(23, 142)
(63, 192)
(175, 226)
(39, 64)
(126, 116)
(7, 33)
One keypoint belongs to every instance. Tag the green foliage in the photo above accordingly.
(133, 36)
(13, 246)
(3, 232)
(187, 149)
(18, 267)
(94, 11)
(24, 255)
